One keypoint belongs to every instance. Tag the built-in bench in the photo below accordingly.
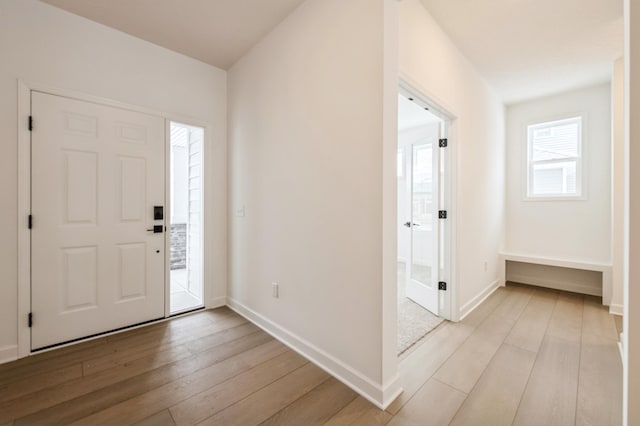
(563, 274)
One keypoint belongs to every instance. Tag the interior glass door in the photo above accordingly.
(422, 279)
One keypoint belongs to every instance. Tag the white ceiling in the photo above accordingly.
(523, 48)
(411, 114)
(531, 48)
(217, 32)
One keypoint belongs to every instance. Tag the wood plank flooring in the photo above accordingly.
(526, 356)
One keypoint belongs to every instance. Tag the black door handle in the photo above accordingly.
(409, 224)
(157, 229)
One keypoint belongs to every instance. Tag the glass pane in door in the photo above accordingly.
(423, 210)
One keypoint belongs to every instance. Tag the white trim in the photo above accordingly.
(607, 286)
(24, 209)
(8, 353)
(616, 309)
(448, 303)
(621, 349)
(378, 394)
(167, 218)
(390, 392)
(588, 265)
(556, 261)
(471, 305)
(24, 192)
(216, 302)
(72, 94)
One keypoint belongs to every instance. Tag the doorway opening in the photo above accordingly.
(186, 218)
(421, 190)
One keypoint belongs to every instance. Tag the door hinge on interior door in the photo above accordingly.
(442, 285)
(30, 319)
(443, 143)
(30, 123)
(30, 221)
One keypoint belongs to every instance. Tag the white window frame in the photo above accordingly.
(579, 159)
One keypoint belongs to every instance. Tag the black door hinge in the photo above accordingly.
(30, 221)
(30, 319)
(30, 123)
(442, 214)
(442, 285)
(443, 143)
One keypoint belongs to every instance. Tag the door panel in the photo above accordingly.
(422, 279)
(97, 172)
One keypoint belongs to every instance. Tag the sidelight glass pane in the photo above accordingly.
(186, 218)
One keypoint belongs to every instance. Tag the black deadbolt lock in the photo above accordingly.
(157, 213)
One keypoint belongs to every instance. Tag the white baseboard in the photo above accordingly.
(468, 307)
(616, 309)
(8, 353)
(557, 285)
(379, 395)
(389, 393)
(621, 347)
(216, 302)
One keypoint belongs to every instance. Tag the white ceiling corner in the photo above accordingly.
(522, 48)
(217, 32)
(411, 114)
(532, 48)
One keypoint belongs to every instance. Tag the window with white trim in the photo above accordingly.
(554, 159)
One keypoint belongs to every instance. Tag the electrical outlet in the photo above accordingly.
(275, 291)
(240, 212)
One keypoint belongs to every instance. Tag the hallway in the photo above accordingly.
(525, 356)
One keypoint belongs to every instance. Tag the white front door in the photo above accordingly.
(422, 268)
(97, 173)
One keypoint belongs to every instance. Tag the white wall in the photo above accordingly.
(576, 229)
(617, 186)
(305, 158)
(431, 63)
(46, 46)
(631, 327)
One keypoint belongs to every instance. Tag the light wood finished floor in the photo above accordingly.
(526, 356)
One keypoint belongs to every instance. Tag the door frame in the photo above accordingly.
(448, 300)
(24, 201)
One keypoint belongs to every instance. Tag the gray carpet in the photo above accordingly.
(414, 322)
